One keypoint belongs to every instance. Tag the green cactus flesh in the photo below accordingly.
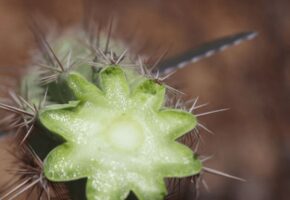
(119, 135)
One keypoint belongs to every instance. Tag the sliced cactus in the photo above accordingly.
(119, 136)
(112, 120)
(89, 111)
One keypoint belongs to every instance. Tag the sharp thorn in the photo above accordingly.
(219, 173)
(211, 112)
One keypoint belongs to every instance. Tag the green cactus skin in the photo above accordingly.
(119, 136)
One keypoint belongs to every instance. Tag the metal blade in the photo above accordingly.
(204, 51)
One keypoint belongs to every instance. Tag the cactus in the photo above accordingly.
(90, 114)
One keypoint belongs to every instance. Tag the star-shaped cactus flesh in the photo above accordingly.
(119, 135)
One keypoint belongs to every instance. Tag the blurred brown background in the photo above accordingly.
(251, 139)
